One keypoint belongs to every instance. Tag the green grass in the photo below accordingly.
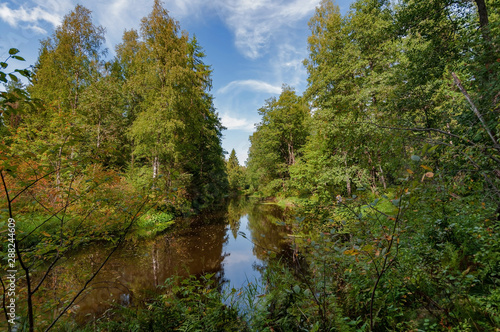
(152, 223)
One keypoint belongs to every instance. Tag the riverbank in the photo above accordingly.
(228, 244)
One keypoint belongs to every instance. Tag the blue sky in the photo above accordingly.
(253, 46)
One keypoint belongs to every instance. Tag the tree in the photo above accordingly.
(174, 124)
(69, 61)
(349, 66)
(235, 173)
(52, 208)
(452, 83)
(277, 142)
(104, 123)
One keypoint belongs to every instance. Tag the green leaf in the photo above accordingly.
(17, 57)
(13, 51)
(13, 77)
(296, 289)
(415, 158)
(24, 72)
(3, 64)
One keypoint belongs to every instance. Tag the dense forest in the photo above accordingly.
(89, 145)
(388, 166)
(392, 157)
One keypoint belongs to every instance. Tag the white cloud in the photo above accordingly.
(117, 16)
(237, 123)
(60, 7)
(255, 23)
(188, 8)
(14, 17)
(255, 85)
(287, 64)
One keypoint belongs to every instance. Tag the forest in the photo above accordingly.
(387, 168)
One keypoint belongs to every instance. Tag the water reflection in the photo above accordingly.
(233, 243)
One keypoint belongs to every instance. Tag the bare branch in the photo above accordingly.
(476, 111)
(120, 241)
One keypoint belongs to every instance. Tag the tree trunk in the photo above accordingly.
(75, 105)
(291, 155)
(348, 179)
(382, 178)
(99, 132)
(483, 13)
(373, 172)
(156, 164)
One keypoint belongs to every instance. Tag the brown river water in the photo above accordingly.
(234, 243)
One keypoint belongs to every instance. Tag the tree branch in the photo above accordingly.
(476, 111)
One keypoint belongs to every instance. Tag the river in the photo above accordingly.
(234, 243)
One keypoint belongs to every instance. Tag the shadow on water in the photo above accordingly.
(234, 243)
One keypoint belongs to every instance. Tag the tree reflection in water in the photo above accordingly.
(211, 244)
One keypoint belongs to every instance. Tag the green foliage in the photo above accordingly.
(69, 61)
(191, 304)
(15, 98)
(398, 181)
(395, 171)
(295, 304)
(152, 224)
(80, 122)
(235, 173)
(278, 141)
(174, 126)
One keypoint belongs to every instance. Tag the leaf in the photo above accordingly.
(432, 149)
(45, 234)
(428, 175)
(409, 171)
(368, 247)
(415, 158)
(426, 168)
(17, 57)
(352, 252)
(13, 77)
(24, 72)
(296, 289)
(13, 51)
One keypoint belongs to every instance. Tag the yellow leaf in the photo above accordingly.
(409, 171)
(352, 252)
(426, 168)
(46, 234)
